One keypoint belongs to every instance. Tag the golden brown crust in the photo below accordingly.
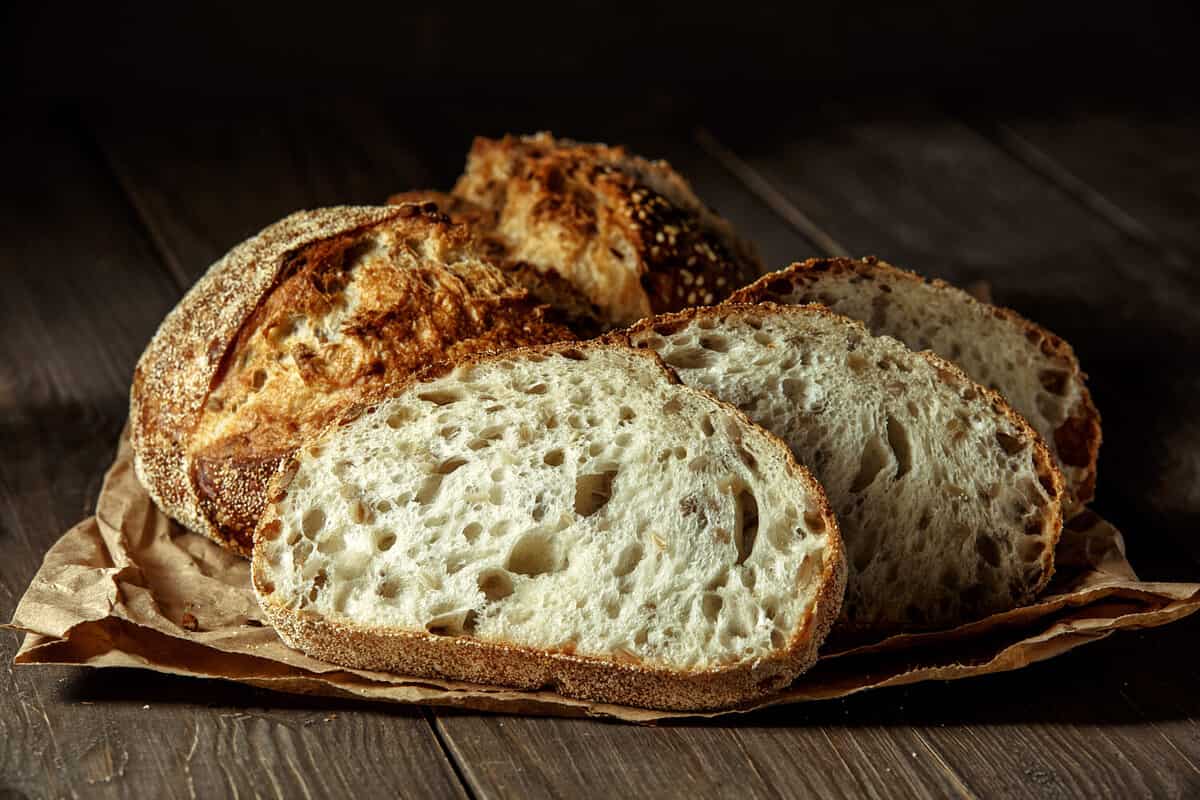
(1044, 464)
(319, 311)
(1076, 441)
(463, 658)
(629, 233)
(567, 303)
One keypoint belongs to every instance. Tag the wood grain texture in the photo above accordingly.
(85, 291)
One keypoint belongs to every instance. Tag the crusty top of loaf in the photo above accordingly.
(320, 310)
(628, 232)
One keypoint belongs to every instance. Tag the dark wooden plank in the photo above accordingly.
(929, 193)
(497, 755)
(85, 291)
(1138, 170)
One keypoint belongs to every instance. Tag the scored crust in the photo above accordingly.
(1046, 468)
(206, 440)
(629, 233)
(1075, 442)
(423, 654)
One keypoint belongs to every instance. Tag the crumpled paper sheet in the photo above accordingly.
(130, 588)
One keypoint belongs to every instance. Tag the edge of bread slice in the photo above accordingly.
(1036, 371)
(948, 501)
(563, 517)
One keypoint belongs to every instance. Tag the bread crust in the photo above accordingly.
(215, 484)
(423, 654)
(1076, 441)
(629, 233)
(1045, 466)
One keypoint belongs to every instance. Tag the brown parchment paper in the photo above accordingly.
(130, 588)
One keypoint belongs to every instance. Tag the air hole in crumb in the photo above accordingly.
(573, 354)
(814, 521)
(640, 637)
(630, 557)
(856, 362)
(441, 397)
(626, 414)
(448, 466)
(688, 358)
(745, 531)
(1030, 550)
(711, 606)
(331, 544)
(1010, 444)
(429, 489)
(388, 589)
(313, 522)
(496, 584)
(532, 555)
(385, 541)
(623, 440)
(872, 461)
(764, 338)
(988, 550)
(260, 379)
(592, 491)
(698, 464)
(554, 458)
(471, 531)
(595, 449)
(672, 406)
(537, 388)
(715, 343)
(706, 425)
(898, 440)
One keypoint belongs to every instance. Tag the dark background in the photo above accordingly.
(750, 57)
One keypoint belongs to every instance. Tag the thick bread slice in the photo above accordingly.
(319, 311)
(1036, 371)
(627, 232)
(948, 501)
(562, 517)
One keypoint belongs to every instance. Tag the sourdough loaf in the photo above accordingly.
(566, 517)
(1036, 371)
(948, 500)
(629, 233)
(317, 312)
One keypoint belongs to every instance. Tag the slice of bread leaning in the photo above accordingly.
(318, 312)
(564, 517)
(1036, 371)
(948, 501)
(627, 232)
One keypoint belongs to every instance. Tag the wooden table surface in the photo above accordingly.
(1086, 221)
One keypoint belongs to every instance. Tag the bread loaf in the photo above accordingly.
(317, 312)
(630, 234)
(567, 517)
(949, 502)
(1036, 371)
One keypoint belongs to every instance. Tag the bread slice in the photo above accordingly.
(630, 234)
(318, 312)
(556, 517)
(948, 501)
(1036, 371)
